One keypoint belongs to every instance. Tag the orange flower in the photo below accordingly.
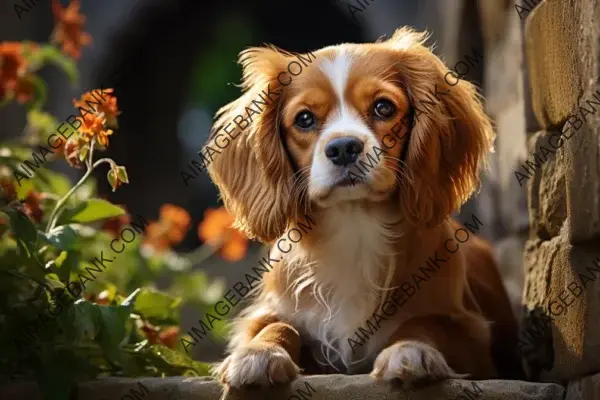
(71, 150)
(32, 206)
(13, 71)
(215, 230)
(150, 331)
(171, 228)
(92, 126)
(108, 104)
(69, 28)
(168, 336)
(115, 225)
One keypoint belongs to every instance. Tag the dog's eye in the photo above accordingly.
(305, 120)
(384, 108)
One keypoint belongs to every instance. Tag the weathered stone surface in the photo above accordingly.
(560, 38)
(559, 338)
(584, 389)
(547, 192)
(323, 387)
(583, 174)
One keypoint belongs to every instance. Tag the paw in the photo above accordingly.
(257, 364)
(412, 361)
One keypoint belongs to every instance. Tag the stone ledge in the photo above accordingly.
(584, 388)
(325, 387)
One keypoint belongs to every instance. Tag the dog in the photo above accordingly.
(301, 156)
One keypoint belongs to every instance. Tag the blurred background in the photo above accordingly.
(175, 64)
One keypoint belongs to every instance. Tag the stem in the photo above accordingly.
(61, 202)
(104, 160)
(20, 275)
(91, 156)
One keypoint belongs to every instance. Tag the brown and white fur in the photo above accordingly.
(370, 237)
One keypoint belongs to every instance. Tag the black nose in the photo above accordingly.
(343, 151)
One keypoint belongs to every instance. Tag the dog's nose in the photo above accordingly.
(344, 150)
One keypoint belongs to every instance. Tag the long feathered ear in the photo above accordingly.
(252, 170)
(450, 136)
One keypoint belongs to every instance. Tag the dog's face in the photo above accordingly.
(344, 127)
(336, 123)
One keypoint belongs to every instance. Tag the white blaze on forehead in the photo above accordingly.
(346, 118)
(338, 71)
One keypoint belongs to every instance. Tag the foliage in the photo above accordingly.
(77, 292)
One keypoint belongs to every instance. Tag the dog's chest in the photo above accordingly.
(355, 263)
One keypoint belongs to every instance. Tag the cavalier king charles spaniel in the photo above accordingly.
(378, 149)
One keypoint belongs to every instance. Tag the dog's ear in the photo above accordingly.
(252, 170)
(450, 136)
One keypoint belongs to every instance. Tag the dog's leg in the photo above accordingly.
(425, 347)
(268, 354)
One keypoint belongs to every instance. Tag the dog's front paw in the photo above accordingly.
(258, 364)
(412, 361)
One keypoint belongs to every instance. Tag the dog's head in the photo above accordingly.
(345, 124)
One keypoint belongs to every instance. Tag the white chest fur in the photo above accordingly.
(345, 278)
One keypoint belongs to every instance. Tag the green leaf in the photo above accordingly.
(41, 90)
(174, 362)
(157, 306)
(86, 191)
(65, 263)
(26, 235)
(53, 282)
(86, 319)
(50, 54)
(113, 329)
(23, 190)
(90, 211)
(61, 259)
(52, 182)
(63, 237)
(43, 123)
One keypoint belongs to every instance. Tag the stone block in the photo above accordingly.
(561, 50)
(318, 387)
(561, 316)
(582, 160)
(585, 388)
(546, 186)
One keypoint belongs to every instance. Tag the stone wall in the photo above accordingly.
(561, 302)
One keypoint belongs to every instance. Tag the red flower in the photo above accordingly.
(7, 189)
(32, 206)
(14, 78)
(69, 28)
